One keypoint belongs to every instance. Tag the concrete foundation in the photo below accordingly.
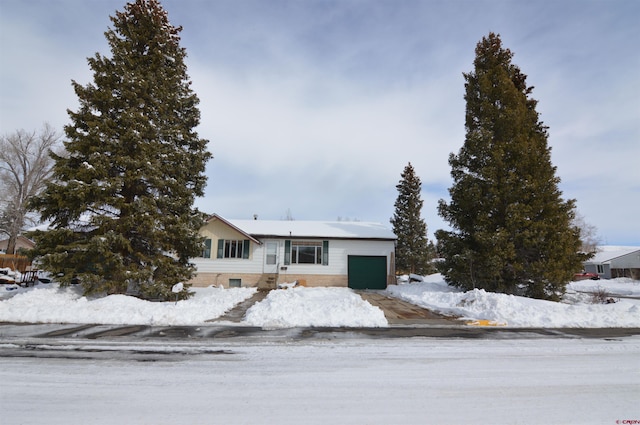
(251, 280)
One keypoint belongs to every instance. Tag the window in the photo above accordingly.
(307, 252)
(600, 268)
(233, 248)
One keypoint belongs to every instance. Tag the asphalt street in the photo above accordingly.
(177, 343)
(47, 331)
(147, 342)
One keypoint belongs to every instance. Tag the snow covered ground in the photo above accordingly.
(344, 381)
(47, 303)
(314, 307)
(576, 310)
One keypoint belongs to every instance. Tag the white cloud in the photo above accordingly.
(274, 124)
(317, 106)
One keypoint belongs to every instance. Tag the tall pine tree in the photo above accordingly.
(413, 251)
(121, 207)
(512, 231)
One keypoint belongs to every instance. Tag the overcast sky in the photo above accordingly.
(314, 108)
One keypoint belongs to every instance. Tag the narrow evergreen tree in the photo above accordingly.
(512, 231)
(121, 207)
(413, 251)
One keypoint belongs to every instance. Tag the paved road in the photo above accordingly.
(405, 321)
(42, 332)
(156, 343)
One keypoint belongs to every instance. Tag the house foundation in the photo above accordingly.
(252, 280)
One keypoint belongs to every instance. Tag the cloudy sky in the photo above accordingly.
(314, 107)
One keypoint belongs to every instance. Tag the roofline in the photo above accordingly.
(348, 238)
(608, 259)
(23, 238)
(254, 236)
(236, 228)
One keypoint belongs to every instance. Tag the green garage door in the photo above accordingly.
(367, 272)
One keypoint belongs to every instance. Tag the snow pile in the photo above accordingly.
(8, 276)
(622, 286)
(339, 307)
(515, 311)
(283, 308)
(66, 305)
(302, 306)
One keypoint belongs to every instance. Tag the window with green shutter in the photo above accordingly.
(234, 248)
(220, 248)
(287, 252)
(306, 252)
(206, 253)
(325, 253)
(245, 248)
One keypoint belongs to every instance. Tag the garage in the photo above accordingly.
(367, 272)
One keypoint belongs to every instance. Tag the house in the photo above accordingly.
(22, 244)
(614, 262)
(265, 253)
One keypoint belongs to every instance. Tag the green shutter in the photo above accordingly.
(220, 248)
(287, 252)
(325, 253)
(245, 248)
(207, 248)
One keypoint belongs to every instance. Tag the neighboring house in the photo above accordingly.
(264, 253)
(22, 243)
(614, 262)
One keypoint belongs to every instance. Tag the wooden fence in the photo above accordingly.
(15, 262)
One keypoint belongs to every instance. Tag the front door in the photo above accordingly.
(271, 257)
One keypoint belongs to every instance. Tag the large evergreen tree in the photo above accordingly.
(121, 207)
(413, 251)
(512, 231)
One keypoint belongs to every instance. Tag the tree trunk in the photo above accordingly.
(11, 244)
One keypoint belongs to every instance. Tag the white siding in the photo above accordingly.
(231, 265)
(339, 250)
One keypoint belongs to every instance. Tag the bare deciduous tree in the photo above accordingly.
(588, 234)
(25, 168)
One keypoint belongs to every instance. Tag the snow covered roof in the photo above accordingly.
(311, 229)
(609, 253)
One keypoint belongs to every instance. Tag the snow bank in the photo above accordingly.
(302, 306)
(516, 311)
(66, 305)
(623, 286)
(283, 308)
(339, 307)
